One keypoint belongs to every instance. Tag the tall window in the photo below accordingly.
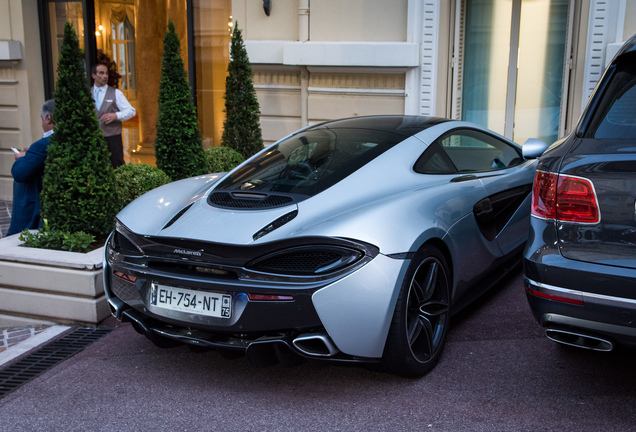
(123, 37)
(513, 66)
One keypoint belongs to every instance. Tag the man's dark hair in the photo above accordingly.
(94, 68)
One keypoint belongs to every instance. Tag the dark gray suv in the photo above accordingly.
(580, 259)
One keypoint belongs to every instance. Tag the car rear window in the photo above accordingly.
(615, 116)
(311, 161)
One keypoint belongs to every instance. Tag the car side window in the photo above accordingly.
(616, 115)
(473, 151)
(434, 161)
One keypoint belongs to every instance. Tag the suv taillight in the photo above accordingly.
(544, 195)
(564, 198)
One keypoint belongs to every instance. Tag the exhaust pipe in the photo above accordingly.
(117, 308)
(579, 339)
(316, 345)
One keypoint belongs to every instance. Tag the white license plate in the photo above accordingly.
(197, 302)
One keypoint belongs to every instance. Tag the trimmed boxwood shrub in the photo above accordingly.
(242, 127)
(79, 183)
(222, 159)
(178, 146)
(134, 180)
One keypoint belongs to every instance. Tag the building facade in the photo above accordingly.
(523, 68)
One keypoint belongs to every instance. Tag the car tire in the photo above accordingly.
(422, 316)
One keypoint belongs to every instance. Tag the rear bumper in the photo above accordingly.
(595, 314)
(346, 319)
(568, 294)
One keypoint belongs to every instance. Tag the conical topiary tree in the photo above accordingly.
(78, 192)
(178, 146)
(242, 129)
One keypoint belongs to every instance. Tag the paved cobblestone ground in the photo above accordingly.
(14, 335)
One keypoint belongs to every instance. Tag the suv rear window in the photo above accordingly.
(615, 116)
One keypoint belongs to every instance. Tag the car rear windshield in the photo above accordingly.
(311, 161)
(615, 116)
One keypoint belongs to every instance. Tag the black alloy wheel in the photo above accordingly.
(421, 319)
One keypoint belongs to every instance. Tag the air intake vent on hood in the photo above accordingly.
(178, 215)
(243, 200)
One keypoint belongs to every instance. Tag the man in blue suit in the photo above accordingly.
(27, 172)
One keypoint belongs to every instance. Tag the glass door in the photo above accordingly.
(512, 66)
(53, 16)
(542, 40)
(211, 40)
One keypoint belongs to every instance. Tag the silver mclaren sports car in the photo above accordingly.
(352, 240)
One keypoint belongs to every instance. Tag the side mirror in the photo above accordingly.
(533, 148)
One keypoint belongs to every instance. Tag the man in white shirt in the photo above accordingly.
(112, 109)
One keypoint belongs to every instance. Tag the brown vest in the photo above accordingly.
(109, 105)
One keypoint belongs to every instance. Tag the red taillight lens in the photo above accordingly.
(269, 297)
(126, 277)
(574, 301)
(544, 195)
(564, 198)
(576, 200)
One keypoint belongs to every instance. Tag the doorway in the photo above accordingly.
(130, 35)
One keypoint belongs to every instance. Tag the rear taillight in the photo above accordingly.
(126, 277)
(269, 297)
(564, 198)
(544, 195)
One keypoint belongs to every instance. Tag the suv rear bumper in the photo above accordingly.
(591, 315)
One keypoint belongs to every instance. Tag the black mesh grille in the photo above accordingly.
(226, 199)
(299, 262)
(123, 289)
(125, 246)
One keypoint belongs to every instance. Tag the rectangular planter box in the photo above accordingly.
(51, 286)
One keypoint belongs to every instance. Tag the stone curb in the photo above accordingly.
(12, 251)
